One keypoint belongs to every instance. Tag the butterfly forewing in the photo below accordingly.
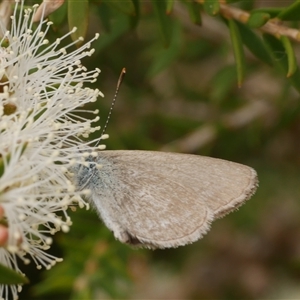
(161, 200)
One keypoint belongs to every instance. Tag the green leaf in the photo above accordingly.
(238, 50)
(9, 276)
(247, 5)
(134, 19)
(291, 58)
(222, 83)
(170, 4)
(194, 9)
(105, 16)
(258, 19)
(290, 13)
(127, 7)
(59, 15)
(165, 24)
(272, 11)
(165, 57)
(78, 16)
(118, 28)
(130, 8)
(211, 7)
(254, 44)
(280, 59)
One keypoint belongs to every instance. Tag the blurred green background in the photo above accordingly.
(181, 94)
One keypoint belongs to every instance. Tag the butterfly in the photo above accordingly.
(161, 200)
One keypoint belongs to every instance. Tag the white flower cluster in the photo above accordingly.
(41, 92)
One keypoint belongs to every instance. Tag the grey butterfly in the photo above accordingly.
(162, 200)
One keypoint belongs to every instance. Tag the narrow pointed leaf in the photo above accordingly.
(166, 56)
(160, 9)
(134, 19)
(290, 13)
(222, 83)
(238, 50)
(291, 58)
(170, 4)
(125, 6)
(78, 16)
(254, 44)
(105, 16)
(280, 59)
(272, 11)
(9, 276)
(194, 9)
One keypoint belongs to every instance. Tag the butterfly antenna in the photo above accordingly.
(121, 77)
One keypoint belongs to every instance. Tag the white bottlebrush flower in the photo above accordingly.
(41, 90)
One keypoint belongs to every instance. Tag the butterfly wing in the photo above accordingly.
(160, 200)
